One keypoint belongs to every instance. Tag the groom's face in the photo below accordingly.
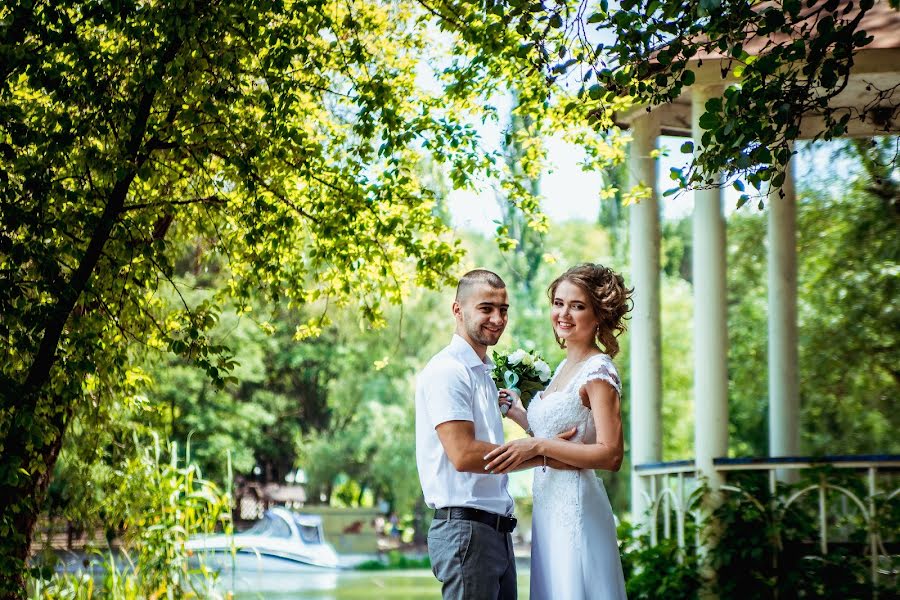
(481, 314)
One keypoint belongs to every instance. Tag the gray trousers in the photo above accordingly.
(472, 560)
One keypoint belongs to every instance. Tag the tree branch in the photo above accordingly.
(45, 357)
(216, 200)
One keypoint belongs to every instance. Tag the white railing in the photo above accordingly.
(672, 485)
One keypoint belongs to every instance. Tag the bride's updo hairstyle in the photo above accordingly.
(608, 296)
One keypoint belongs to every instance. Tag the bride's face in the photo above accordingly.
(572, 315)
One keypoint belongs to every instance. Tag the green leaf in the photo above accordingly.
(709, 121)
(778, 180)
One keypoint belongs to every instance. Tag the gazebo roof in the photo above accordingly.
(880, 21)
(876, 66)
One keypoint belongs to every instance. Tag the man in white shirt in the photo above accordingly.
(457, 423)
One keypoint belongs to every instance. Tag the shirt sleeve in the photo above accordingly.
(447, 393)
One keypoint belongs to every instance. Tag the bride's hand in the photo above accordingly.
(510, 455)
(516, 412)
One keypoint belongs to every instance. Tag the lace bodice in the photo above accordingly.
(555, 413)
(561, 410)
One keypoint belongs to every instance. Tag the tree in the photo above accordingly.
(522, 154)
(790, 57)
(368, 434)
(847, 255)
(848, 321)
(279, 139)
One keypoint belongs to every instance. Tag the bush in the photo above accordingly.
(660, 571)
(771, 550)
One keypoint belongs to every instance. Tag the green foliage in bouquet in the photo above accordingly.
(521, 371)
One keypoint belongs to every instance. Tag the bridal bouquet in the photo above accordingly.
(521, 371)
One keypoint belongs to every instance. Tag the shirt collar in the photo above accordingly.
(461, 348)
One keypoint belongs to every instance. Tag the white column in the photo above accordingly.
(646, 367)
(784, 384)
(710, 342)
(710, 322)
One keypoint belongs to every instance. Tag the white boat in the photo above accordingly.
(281, 541)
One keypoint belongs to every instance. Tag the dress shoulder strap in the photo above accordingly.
(599, 367)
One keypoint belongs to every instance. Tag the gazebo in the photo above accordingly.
(876, 66)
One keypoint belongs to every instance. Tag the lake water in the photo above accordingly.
(320, 584)
(417, 584)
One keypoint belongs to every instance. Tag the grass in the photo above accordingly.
(395, 560)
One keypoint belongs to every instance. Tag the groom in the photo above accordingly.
(457, 423)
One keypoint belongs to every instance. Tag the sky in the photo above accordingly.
(571, 194)
(568, 192)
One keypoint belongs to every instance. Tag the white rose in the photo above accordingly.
(543, 370)
(527, 360)
(516, 357)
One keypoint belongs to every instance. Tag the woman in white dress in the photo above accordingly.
(574, 554)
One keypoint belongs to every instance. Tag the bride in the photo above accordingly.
(574, 554)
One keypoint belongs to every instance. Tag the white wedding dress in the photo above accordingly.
(574, 554)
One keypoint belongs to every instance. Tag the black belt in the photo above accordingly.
(495, 521)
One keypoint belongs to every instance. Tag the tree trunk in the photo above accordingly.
(38, 422)
(35, 436)
(22, 501)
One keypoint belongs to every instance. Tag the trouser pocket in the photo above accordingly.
(448, 545)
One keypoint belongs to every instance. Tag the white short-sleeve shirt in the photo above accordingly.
(456, 385)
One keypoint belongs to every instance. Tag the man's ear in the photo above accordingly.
(457, 309)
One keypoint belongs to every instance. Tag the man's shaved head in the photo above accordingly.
(472, 279)
(480, 309)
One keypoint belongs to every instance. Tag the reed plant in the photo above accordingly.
(161, 501)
